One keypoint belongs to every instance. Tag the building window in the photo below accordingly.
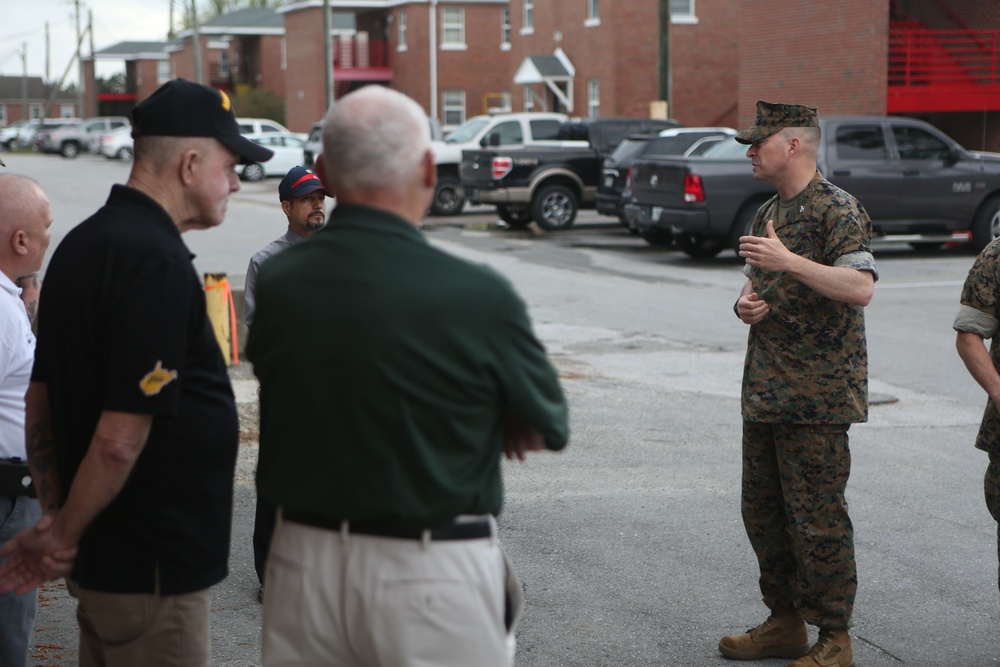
(505, 28)
(224, 64)
(454, 107)
(284, 54)
(529, 18)
(682, 11)
(35, 111)
(67, 110)
(594, 97)
(593, 14)
(529, 98)
(3, 114)
(453, 28)
(162, 71)
(401, 31)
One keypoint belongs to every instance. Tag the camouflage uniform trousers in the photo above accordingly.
(991, 485)
(795, 514)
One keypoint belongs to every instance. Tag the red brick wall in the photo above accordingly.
(704, 59)
(622, 53)
(305, 93)
(830, 55)
(269, 71)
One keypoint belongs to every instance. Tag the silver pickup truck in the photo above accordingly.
(916, 183)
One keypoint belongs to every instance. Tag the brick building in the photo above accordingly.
(458, 58)
(922, 58)
(147, 67)
(27, 98)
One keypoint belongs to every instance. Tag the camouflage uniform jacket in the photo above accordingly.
(980, 314)
(807, 361)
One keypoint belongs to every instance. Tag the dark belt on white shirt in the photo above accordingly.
(453, 530)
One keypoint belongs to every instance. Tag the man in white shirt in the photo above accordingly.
(25, 218)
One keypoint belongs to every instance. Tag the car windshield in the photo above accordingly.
(467, 132)
(725, 150)
(628, 149)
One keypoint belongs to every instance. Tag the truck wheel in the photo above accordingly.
(701, 247)
(11, 144)
(70, 149)
(124, 153)
(516, 217)
(657, 237)
(554, 207)
(986, 226)
(446, 198)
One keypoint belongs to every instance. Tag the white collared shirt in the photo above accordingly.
(17, 354)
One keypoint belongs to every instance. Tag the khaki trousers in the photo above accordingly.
(129, 630)
(348, 600)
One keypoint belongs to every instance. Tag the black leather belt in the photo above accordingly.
(453, 530)
(15, 478)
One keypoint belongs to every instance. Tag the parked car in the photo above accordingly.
(256, 126)
(45, 128)
(917, 184)
(117, 144)
(69, 140)
(288, 153)
(679, 141)
(507, 130)
(313, 145)
(549, 181)
(10, 136)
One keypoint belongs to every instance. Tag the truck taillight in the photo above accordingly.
(694, 191)
(628, 182)
(502, 166)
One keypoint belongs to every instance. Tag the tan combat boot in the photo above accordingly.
(833, 649)
(782, 635)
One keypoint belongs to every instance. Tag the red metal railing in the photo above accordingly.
(358, 52)
(942, 70)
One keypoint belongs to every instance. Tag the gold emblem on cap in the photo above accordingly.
(225, 100)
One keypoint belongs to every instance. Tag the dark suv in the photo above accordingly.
(678, 141)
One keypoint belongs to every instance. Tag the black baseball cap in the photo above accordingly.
(181, 108)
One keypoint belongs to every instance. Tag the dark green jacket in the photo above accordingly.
(385, 365)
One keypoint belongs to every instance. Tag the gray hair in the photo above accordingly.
(374, 139)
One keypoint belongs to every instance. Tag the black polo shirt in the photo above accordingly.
(125, 328)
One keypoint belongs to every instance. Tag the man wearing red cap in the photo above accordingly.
(303, 200)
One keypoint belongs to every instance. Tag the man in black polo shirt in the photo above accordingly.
(131, 422)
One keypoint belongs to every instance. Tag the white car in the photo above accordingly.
(287, 154)
(11, 136)
(117, 144)
(255, 126)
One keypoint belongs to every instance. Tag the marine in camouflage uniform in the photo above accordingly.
(978, 318)
(805, 382)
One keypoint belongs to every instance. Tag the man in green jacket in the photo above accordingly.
(382, 427)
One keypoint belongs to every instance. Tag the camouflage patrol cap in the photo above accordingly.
(773, 117)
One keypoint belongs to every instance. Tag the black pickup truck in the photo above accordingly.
(916, 183)
(548, 181)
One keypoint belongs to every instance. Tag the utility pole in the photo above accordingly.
(434, 62)
(327, 54)
(48, 48)
(196, 36)
(170, 28)
(79, 63)
(24, 81)
(666, 83)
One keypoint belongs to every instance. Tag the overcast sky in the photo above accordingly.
(23, 21)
